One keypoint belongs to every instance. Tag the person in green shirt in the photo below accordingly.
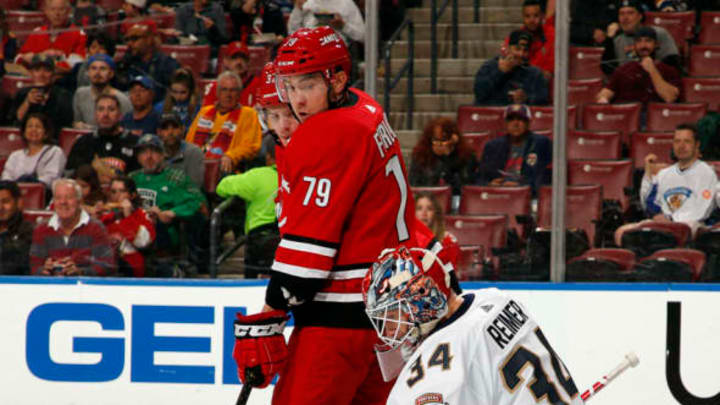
(170, 196)
(258, 187)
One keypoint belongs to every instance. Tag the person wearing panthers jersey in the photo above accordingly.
(481, 347)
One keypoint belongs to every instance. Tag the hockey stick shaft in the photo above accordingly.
(244, 394)
(631, 360)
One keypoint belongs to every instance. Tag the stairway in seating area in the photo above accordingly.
(476, 43)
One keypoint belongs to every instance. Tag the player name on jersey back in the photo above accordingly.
(506, 324)
(384, 137)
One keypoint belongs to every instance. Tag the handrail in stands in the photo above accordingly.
(217, 257)
(435, 15)
(408, 67)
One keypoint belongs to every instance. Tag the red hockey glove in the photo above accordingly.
(260, 349)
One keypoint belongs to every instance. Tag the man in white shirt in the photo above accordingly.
(101, 71)
(342, 15)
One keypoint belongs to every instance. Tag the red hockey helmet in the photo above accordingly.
(310, 50)
(266, 93)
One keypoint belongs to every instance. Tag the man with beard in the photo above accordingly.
(15, 232)
(643, 80)
(110, 144)
(143, 119)
(180, 154)
(101, 70)
(541, 25)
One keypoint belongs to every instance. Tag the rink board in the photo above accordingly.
(119, 341)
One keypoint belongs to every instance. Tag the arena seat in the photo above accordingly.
(643, 241)
(643, 143)
(612, 117)
(709, 27)
(702, 90)
(623, 257)
(542, 117)
(613, 175)
(442, 193)
(165, 20)
(68, 136)
(196, 57)
(487, 231)
(14, 4)
(583, 205)
(512, 201)
(694, 260)
(10, 140)
(585, 62)
(33, 195)
(472, 118)
(212, 175)
(259, 56)
(476, 141)
(583, 91)
(11, 84)
(681, 25)
(469, 266)
(3, 160)
(23, 22)
(704, 60)
(667, 116)
(548, 133)
(601, 265)
(110, 5)
(593, 145)
(36, 217)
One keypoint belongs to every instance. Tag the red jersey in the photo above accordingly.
(542, 48)
(69, 42)
(348, 199)
(247, 97)
(283, 187)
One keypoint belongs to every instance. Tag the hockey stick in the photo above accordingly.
(253, 376)
(631, 360)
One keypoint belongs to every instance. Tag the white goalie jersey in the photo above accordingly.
(489, 352)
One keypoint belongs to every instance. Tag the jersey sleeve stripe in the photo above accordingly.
(308, 248)
(305, 239)
(299, 271)
(347, 274)
(338, 297)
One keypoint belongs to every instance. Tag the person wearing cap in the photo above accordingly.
(143, 119)
(205, 20)
(8, 43)
(227, 130)
(539, 21)
(97, 42)
(643, 80)
(42, 96)
(109, 144)
(144, 58)
(101, 70)
(520, 156)
(258, 188)
(630, 19)
(169, 195)
(237, 60)
(67, 46)
(180, 154)
(508, 78)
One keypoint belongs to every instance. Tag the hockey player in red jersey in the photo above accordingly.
(348, 199)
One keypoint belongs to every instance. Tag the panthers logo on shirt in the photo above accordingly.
(676, 197)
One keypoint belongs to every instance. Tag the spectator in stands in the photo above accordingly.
(101, 72)
(205, 20)
(129, 226)
(66, 46)
(144, 58)
(43, 96)
(92, 194)
(109, 145)
(236, 60)
(71, 243)
(170, 195)
(133, 10)
(182, 98)
(442, 157)
(685, 192)
(630, 16)
(227, 130)
(8, 43)
(519, 157)
(143, 119)
(541, 25)
(244, 15)
(644, 80)
(39, 161)
(15, 233)
(671, 5)
(509, 79)
(98, 42)
(429, 211)
(342, 15)
(258, 188)
(87, 13)
(180, 154)
(592, 22)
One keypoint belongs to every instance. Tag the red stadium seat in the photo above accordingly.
(613, 175)
(481, 119)
(37, 216)
(14, 4)
(709, 27)
(68, 136)
(679, 24)
(585, 62)
(10, 140)
(644, 143)
(22, 23)
(487, 231)
(601, 265)
(512, 201)
(679, 230)
(624, 257)
(212, 175)
(33, 195)
(11, 84)
(443, 195)
(692, 257)
(196, 57)
(542, 117)
(120, 52)
(666, 116)
(593, 145)
(612, 117)
(469, 266)
(477, 141)
(259, 56)
(165, 20)
(704, 60)
(545, 132)
(702, 90)
(110, 5)
(583, 205)
(583, 91)
(3, 160)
